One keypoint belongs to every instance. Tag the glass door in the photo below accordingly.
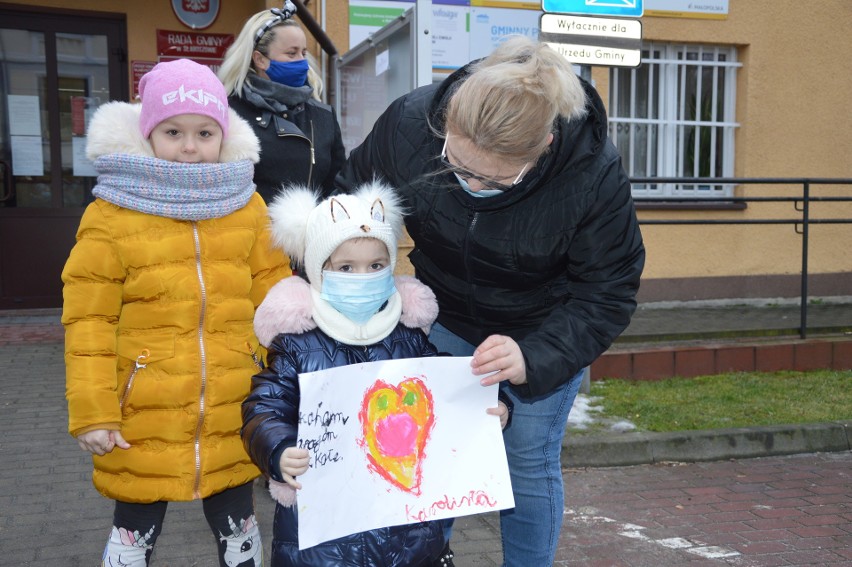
(55, 70)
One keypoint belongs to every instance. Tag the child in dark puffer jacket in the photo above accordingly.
(353, 310)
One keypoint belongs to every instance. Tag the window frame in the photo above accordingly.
(671, 70)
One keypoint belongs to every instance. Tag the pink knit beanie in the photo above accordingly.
(181, 87)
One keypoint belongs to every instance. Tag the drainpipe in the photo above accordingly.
(324, 59)
(330, 52)
(312, 26)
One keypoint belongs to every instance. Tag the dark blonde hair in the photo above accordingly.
(512, 98)
(238, 63)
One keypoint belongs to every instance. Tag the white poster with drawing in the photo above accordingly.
(397, 442)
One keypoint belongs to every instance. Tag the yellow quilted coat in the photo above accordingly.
(158, 332)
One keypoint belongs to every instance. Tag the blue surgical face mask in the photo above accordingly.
(357, 296)
(289, 73)
(481, 192)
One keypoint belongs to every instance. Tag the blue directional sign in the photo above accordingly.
(620, 8)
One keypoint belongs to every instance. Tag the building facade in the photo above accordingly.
(758, 91)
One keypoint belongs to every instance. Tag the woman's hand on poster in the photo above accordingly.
(502, 411)
(502, 356)
(294, 462)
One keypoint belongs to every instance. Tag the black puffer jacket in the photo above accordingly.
(304, 146)
(271, 417)
(554, 263)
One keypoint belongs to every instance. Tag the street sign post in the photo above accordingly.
(617, 8)
(593, 41)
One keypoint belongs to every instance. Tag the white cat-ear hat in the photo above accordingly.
(309, 232)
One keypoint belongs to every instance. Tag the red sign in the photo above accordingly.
(78, 116)
(139, 68)
(191, 45)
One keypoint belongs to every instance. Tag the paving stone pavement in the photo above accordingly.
(789, 510)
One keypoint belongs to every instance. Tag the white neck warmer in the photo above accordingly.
(341, 328)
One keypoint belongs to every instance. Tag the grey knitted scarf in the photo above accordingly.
(183, 191)
(273, 96)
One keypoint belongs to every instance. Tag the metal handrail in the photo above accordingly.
(804, 219)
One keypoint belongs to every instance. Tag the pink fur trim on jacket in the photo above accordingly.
(282, 493)
(287, 308)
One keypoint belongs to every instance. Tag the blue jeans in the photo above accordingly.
(530, 531)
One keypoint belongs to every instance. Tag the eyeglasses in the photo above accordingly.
(486, 182)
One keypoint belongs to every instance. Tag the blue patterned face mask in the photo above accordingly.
(481, 192)
(289, 73)
(357, 296)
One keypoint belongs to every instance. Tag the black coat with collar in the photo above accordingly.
(554, 263)
(303, 145)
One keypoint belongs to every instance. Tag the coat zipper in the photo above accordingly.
(139, 364)
(311, 143)
(254, 356)
(201, 403)
(313, 156)
(471, 304)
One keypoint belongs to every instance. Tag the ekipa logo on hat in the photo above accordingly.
(197, 96)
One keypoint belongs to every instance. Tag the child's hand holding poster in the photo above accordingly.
(397, 442)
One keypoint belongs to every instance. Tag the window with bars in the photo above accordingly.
(674, 116)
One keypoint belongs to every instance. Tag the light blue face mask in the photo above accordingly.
(481, 192)
(357, 296)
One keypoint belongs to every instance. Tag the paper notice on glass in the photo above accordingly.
(450, 41)
(27, 156)
(382, 61)
(83, 167)
(397, 442)
(24, 116)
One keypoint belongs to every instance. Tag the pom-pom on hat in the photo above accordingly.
(309, 232)
(181, 87)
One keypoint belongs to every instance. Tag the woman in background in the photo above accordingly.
(525, 230)
(271, 84)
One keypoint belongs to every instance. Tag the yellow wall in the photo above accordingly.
(793, 109)
(793, 88)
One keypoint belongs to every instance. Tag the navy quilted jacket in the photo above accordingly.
(270, 417)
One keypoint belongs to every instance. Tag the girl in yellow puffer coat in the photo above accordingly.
(171, 260)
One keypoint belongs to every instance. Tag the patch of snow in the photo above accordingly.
(586, 412)
(622, 426)
(582, 411)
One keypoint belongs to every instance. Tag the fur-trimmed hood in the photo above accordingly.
(115, 129)
(288, 306)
